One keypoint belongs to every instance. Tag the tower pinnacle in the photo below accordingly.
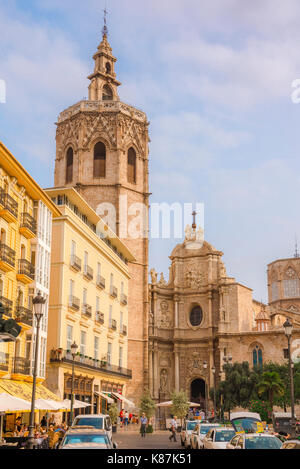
(105, 28)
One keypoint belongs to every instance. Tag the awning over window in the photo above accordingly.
(104, 396)
(23, 390)
(123, 399)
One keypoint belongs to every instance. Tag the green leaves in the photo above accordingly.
(147, 405)
(180, 406)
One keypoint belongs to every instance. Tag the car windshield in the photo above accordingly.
(191, 425)
(246, 424)
(224, 435)
(262, 442)
(205, 429)
(90, 422)
(77, 439)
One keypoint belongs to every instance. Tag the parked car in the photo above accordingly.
(186, 432)
(248, 422)
(199, 433)
(98, 421)
(217, 438)
(291, 444)
(282, 422)
(254, 441)
(84, 437)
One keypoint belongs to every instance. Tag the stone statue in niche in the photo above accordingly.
(153, 274)
(163, 380)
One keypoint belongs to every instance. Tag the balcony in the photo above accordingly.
(113, 292)
(21, 366)
(6, 306)
(99, 318)
(75, 263)
(100, 282)
(88, 272)
(85, 362)
(28, 226)
(9, 210)
(87, 310)
(74, 303)
(123, 330)
(124, 299)
(4, 361)
(7, 258)
(24, 316)
(25, 272)
(113, 325)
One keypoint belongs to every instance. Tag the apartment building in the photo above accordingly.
(26, 214)
(88, 304)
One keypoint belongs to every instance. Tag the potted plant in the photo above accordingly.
(113, 412)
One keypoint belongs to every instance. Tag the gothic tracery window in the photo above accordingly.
(69, 169)
(291, 285)
(99, 160)
(107, 94)
(131, 166)
(257, 356)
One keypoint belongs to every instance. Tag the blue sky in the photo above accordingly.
(215, 81)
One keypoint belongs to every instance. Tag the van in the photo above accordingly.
(98, 421)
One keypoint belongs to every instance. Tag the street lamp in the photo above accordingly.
(38, 303)
(227, 360)
(206, 391)
(214, 373)
(74, 348)
(288, 330)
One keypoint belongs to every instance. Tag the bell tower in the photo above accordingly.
(102, 151)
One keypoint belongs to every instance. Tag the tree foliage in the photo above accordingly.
(271, 384)
(180, 404)
(113, 412)
(147, 405)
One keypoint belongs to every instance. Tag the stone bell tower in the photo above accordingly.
(102, 150)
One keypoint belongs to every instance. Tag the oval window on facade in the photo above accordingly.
(196, 316)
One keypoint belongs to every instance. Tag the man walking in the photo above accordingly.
(144, 422)
(173, 429)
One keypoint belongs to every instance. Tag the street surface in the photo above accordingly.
(130, 438)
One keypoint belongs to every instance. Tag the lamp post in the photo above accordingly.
(214, 374)
(206, 391)
(38, 303)
(288, 330)
(74, 348)
(227, 360)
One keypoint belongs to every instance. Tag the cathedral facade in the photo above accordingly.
(202, 318)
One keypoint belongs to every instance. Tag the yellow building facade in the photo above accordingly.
(22, 203)
(88, 304)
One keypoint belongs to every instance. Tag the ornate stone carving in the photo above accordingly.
(163, 380)
(153, 274)
(164, 360)
(164, 305)
(194, 364)
(164, 320)
(290, 273)
(162, 281)
(293, 309)
(194, 278)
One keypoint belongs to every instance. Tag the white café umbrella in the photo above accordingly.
(77, 404)
(45, 404)
(11, 404)
(170, 403)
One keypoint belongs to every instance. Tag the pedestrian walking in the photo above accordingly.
(144, 422)
(173, 429)
(126, 418)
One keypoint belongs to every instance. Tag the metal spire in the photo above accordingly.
(194, 226)
(105, 28)
(296, 255)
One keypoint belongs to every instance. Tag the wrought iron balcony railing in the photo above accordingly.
(74, 303)
(26, 268)
(88, 272)
(83, 361)
(99, 317)
(27, 221)
(24, 315)
(87, 310)
(123, 330)
(101, 282)
(7, 255)
(75, 262)
(114, 292)
(6, 306)
(9, 203)
(113, 325)
(124, 299)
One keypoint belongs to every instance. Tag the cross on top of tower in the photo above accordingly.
(296, 255)
(105, 28)
(194, 214)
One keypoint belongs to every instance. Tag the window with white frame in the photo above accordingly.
(110, 316)
(96, 348)
(121, 320)
(83, 343)
(274, 291)
(97, 304)
(109, 353)
(120, 357)
(69, 337)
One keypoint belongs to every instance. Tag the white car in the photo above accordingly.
(254, 441)
(217, 438)
(98, 421)
(186, 432)
(199, 434)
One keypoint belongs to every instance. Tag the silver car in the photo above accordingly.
(217, 438)
(254, 441)
(86, 438)
(187, 429)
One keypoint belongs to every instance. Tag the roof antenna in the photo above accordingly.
(296, 255)
(105, 28)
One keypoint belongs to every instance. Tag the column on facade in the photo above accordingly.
(151, 371)
(155, 379)
(176, 312)
(176, 371)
